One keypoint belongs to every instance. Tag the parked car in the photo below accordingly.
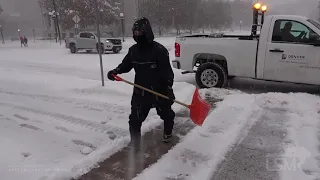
(88, 41)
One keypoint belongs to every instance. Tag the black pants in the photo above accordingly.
(140, 110)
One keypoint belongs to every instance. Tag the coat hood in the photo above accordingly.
(144, 26)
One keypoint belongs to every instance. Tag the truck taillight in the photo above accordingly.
(177, 49)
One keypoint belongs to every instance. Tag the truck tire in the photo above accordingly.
(73, 48)
(116, 51)
(211, 75)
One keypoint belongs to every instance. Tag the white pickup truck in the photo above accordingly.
(88, 41)
(286, 50)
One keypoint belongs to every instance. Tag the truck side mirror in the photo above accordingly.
(313, 37)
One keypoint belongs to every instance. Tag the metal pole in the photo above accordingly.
(2, 36)
(99, 41)
(55, 29)
(122, 24)
(34, 35)
(255, 21)
(57, 20)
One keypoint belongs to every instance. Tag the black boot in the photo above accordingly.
(167, 138)
(167, 135)
(135, 142)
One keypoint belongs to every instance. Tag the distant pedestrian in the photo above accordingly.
(25, 40)
(21, 40)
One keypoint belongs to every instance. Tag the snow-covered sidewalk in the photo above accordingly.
(205, 147)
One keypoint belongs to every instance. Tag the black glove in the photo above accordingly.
(170, 93)
(111, 73)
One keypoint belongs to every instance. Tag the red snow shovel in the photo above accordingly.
(199, 109)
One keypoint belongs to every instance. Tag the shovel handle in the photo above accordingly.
(117, 78)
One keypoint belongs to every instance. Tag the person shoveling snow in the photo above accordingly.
(153, 84)
(153, 70)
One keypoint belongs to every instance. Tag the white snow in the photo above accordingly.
(86, 150)
(301, 156)
(57, 121)
(205, 147)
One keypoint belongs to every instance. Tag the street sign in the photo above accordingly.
(76, 19)
(76, 26)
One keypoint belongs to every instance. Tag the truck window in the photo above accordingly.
(83, 35)
(89, 35)
(288, 31)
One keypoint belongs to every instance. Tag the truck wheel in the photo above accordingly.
(73, 48)
(116, 51)
(211, 75)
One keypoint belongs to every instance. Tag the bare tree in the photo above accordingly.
(109, 11)
(1, 10)
(319, 12)
(187, 14)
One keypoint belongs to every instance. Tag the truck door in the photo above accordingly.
(289, 53)
(91, 41)
(82, 40)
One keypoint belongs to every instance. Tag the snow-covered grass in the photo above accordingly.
(57, 121)
(198, 155)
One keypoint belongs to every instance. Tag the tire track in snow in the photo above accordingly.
(86, 104)
(125, 164)
(93, 126)
(248, 159)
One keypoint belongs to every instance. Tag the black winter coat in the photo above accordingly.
(152, 67)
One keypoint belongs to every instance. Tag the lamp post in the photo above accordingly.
(57, 19)
(54, 15)
(19, 32)
(241, 25)
(1, 29)
(122, 25)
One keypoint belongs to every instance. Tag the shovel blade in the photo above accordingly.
(199, 109)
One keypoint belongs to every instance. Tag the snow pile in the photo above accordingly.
(205, 147)
(202, 149)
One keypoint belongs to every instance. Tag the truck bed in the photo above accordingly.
(221, 35)
(224, 47)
